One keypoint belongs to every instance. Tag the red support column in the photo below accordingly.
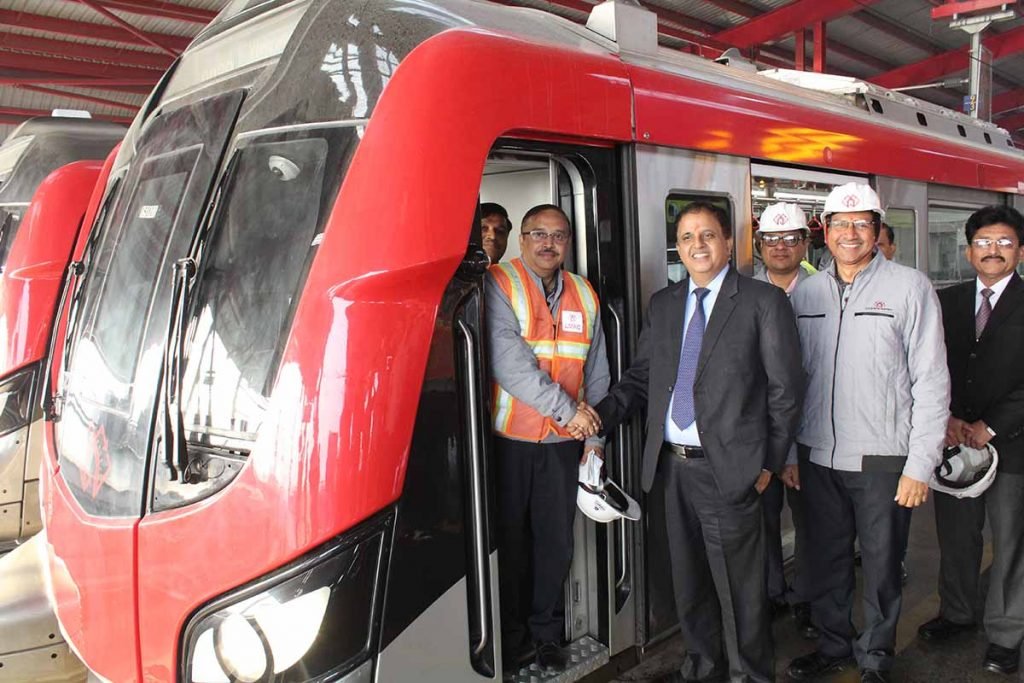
(800, 53)
(819, 47)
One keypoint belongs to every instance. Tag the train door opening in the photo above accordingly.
(599, 600)
(443, 621)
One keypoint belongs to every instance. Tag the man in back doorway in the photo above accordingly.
(547, 356)
(782, 241)
(887, 241)
(495, 227)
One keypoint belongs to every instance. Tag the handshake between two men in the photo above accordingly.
(586, 422)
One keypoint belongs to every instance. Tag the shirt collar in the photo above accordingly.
(540, 283)
(712, 286)
(997, 288)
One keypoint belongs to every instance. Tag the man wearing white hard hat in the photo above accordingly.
(873, 427)
(782, 241)
(984, 325)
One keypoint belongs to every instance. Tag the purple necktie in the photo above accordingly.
(984, 313)
(682, 395)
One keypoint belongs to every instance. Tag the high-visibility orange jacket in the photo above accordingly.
(560, 346)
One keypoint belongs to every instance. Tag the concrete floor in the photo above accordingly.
(958, 661)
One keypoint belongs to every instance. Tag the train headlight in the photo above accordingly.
(315, 618)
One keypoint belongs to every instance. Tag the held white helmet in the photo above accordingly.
(850, 198)
(782, 217)
(965, 472)
(600, 498)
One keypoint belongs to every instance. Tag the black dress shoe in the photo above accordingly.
(1001, 660)
(816, 665)
(804, 626)
(874, 676)
(550, 655)
(940, 629)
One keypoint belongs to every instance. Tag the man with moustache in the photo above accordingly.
(718, 368)
(782, 241)
(984, 324)
(495, 228)
(547, 358)
(873, 425)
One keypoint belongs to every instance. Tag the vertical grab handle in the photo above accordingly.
(620, 462)
(477, 502)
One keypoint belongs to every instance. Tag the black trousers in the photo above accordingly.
(840, 507)
(772, 501)
(536, 485)
(716, 551)
(959, 523)
(1004, 606)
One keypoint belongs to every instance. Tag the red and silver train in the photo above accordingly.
(267, 444)
(46, 179)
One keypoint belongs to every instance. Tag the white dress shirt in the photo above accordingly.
(689, 436)
(997, 291)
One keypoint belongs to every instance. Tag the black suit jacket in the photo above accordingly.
(748, 389)
(987, 375)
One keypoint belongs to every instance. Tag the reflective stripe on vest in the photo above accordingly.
(560, 352)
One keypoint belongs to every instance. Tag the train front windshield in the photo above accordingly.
(180, 321)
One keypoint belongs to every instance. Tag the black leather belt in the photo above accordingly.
(683, 452)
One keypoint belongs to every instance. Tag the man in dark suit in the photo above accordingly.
(723, 404)
(984, 330)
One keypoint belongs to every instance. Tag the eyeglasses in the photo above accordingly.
(788, 240)
(986, 242)
(539, 236)
(859, 226)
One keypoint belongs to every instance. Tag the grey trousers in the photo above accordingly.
(716, 550)
(1004, 608)
(958, 524)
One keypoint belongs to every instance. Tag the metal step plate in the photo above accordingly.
(586, 655)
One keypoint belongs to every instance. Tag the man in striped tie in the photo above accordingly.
(984, 331)
(718, 367)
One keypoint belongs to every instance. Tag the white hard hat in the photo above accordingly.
(600, 498)
(965, 472)
(782, 217)
(850, 198)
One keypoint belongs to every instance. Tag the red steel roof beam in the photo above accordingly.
(79, 96)
(967, 6)
(938, 67)
(156, 8)
(85, 29)
(29, 113)
(1008, 101)
(96, 7)
(1011, 123)
(820, 47)
(68, 67)
(788, 18)
(66, 49)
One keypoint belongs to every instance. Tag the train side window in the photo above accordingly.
(947, 264)
(922, 119)
(903, 222)
(674, 205)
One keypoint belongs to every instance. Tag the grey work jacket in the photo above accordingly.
(878, 386)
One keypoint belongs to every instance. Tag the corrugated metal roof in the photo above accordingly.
(40, 54)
